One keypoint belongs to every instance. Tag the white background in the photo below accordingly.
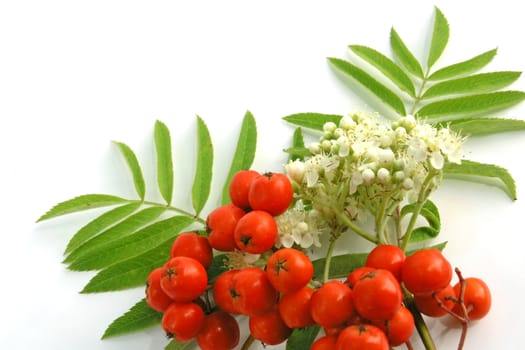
(75, 75)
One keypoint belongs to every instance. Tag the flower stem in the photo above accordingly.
(422, 197)
(328, 260)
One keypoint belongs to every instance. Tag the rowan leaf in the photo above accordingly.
(465, 67)
(311, 120)
(131, 245)
(297, 143)
(204, 169)
(472, 104)
(99, 224)
(175, 345)
(482, 82)
(386, 66)
(430, 213)
(488, 174)
(81, 203)
(139, 317)
(134, 167)
(164, 160)
(302, 338)
(440, 35)
(379, 90)
(124, 228)
(244, 152)
(131, 272)
(482, 126)
(404, 56)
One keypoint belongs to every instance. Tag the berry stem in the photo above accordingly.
(248, 342)
(421, 326)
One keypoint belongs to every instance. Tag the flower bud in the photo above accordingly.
(329, 127)
(295, 170)
(368, 176)
(383, 175)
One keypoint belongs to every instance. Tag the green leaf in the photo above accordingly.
(132, 245)
(175, 345)
(80, 203)
(386, 66)
(139, 317)
(480, 103)
(302, 338)
(430, 213)
(440, 35)
(203, 173)
(488, 174)
(244, 152)
(375, 87)
(472, 84)
(129, 273)
(99, 224)
(297, 143)
(340, 265)
(464, 67)
(483, 126)
(403, 54)
(134, 167)
(298, 152)
(313, 121)
(219, 265)
(164, 161)
(124, 228)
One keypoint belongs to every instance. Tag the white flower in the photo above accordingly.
(297, 226)
(295, 170)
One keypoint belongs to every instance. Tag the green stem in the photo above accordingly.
(177, 210)
(419, 94)
(422, 197)
(328, 260)
(421, 326)
(360, 232)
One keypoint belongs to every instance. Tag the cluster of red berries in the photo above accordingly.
(375, 315)
(368, 310)
(179, 289)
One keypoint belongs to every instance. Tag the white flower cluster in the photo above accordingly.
(299, 227)
(374, 157)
